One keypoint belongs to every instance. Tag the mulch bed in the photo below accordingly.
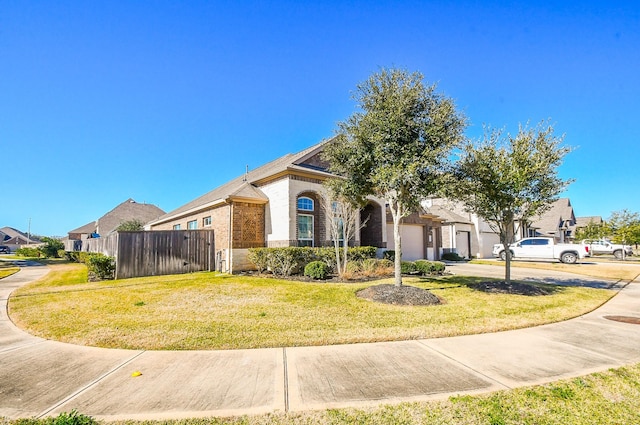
(398, 295)
(514, 288)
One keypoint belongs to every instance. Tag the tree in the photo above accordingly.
(130, 226)
(625, 226)
(343, 212)
(592, 231)
(397, 146)
(505, 179)
(51, 247)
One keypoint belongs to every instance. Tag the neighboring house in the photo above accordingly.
(279, 204)
(583, 222)
(14, 238)
(557, 222)
(462, 232)
(127, 211)
(470, 236)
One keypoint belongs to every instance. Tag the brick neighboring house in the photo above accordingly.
(279, 204)
(15, 239)
(127, 211)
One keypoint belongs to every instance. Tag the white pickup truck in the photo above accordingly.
(603, 246)
(543, 249)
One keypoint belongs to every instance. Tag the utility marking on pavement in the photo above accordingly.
(465, 366)
(286, 380)
(89, 385)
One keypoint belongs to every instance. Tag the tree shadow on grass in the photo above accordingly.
(499, 286)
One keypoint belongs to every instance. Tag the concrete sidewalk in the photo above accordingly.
(40, 377)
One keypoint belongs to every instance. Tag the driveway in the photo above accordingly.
(534, 275)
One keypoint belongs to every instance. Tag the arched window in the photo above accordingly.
(305, 204)
(305, 221)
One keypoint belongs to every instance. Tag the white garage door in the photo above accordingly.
(412, 241)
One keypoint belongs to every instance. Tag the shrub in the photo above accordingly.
(101, 266)
(438, 267)
(424, 267)
(259, 257)
(353, 267)
(317, 270)
(26, 251)
(407, 267)
(369, 266)
(359, 253)
(51, 247)
(452, 256)
(389, 255)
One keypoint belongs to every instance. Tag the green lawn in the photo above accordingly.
(204, 311)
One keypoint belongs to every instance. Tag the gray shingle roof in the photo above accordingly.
(126, 211)
(558, 216)
(245, 186)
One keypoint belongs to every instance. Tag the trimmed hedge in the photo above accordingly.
(291, 260)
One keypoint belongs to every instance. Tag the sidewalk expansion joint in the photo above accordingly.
(465, 366)
(286, 380)
(89, 385)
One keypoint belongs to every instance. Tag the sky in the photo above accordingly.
(102, 101)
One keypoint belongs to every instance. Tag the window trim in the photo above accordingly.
(206, 221)
(192, 225)
(298, 236)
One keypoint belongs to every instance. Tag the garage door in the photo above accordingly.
(412, 241)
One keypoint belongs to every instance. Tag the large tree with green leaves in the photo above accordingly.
(397, 145)
(506, 179)
(625, 226)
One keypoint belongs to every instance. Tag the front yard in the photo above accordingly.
(204, 311)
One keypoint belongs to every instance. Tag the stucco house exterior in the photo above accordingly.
(279, 204)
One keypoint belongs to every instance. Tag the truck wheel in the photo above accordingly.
(503, 255)
(569, 258)
(618, 254)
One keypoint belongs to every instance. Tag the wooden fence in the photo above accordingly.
(154, 253)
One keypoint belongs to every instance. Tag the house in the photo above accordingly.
(583, 222)
(470, 236)
(462, 232)
(279, 204)
(127, 211)
(558, 221)
(14, 238)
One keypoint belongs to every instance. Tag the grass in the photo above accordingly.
(608, 270)
(7, 269)
(606, 398)
(203, 311)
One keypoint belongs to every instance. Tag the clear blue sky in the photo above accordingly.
(162, 101)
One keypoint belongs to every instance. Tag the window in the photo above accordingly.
(176, 227)
(305, 204)
(192, 224)
(206, 222)
(305, 230)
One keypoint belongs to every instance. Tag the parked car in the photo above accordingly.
(543, 249)
(603, 246)
(4, 249)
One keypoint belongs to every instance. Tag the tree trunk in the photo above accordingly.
(397, 240)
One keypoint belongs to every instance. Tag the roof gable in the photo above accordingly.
(246, 186)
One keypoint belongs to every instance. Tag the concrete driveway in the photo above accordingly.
(40, 377)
